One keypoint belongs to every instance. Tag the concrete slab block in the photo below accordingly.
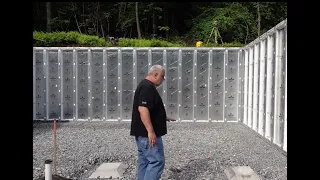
(241, 173)
(107, 170)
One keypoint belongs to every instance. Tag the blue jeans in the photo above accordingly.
(150, 159)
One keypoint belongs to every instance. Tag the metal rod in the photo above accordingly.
(55, 146)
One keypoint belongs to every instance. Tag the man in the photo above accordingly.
(149, 124)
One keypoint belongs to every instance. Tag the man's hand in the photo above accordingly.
(170, 119)
(152, 138)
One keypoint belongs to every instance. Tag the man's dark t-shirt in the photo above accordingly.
(147, 95)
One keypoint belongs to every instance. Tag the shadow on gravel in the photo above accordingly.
(192, 170)
(43, 126)
(55, 177)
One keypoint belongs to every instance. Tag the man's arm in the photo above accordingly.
(145, 118)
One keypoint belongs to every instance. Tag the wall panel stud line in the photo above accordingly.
(250, 91)
(46, 72)
(285, 105)
(261, 88)
(89, 85)
(269, 87)
(245, 103)
(255, 87)
(75, 84)
(149, 59)
(277, 99)
(179, 82)
(134, 72)
(238, 85)
(225, 60)
(105, 94)
(60, 63)
(209, 85)
(34, 86)
(194, 86)
(165, 89)
(119, 85)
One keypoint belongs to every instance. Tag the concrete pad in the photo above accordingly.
(241, 173)
(107, 170)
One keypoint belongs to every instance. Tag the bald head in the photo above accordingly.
(155, 69)
(156, 74)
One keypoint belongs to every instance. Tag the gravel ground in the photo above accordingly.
(194, 151)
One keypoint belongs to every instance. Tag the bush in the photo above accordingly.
(145, 43)
(233, 44)
(67, 39)
(90, 40)
(179, 40)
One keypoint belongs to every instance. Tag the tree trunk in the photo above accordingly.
(258, 12)
(247, 27)
(108, 26)
(83, 22)
(97, 18)
(75, 17)
(119, 15)
(138, 22)
(165, 12)
(131, 32)
(245, 42)
(48, 16)
(102, 30)
(172, 23)
(147, 26)
(153, 26)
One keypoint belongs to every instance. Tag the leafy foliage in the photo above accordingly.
(186, 21)
(145, 43)
(58, 39)
(67, 39)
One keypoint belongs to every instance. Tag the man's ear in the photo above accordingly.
(156, 74)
